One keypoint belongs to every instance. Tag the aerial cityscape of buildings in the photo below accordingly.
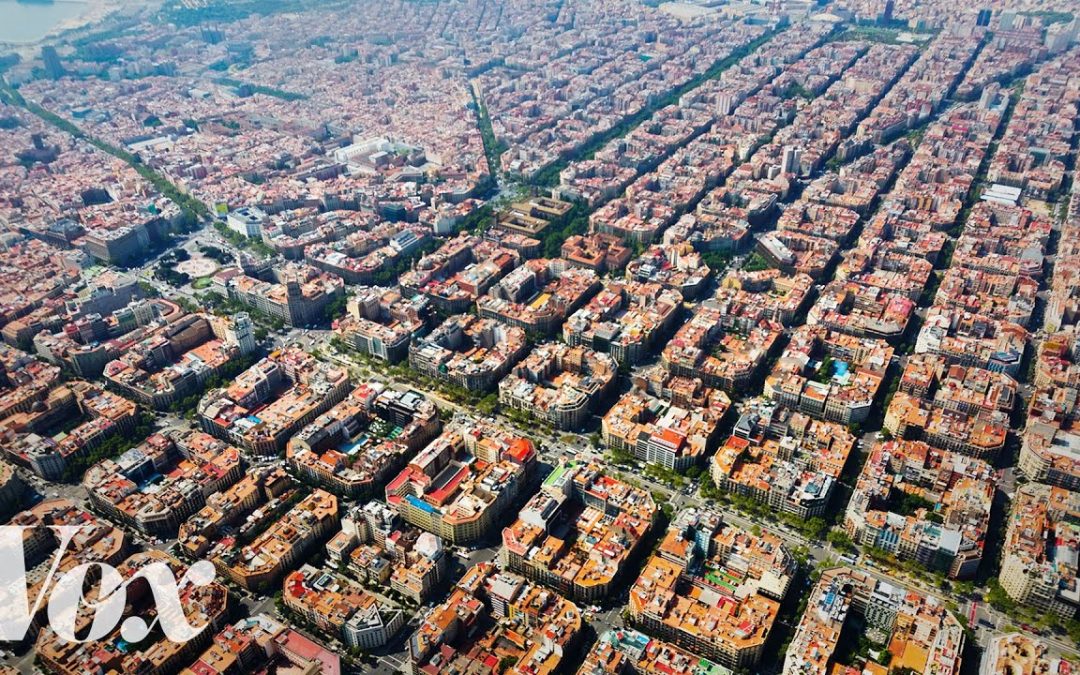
(513, 337)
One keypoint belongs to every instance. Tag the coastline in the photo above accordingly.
(95, 12)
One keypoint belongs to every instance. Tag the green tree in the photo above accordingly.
(840, 540)
(815, 527)
(335, 309)
(998, 598)
(756, 263)
(488, 404)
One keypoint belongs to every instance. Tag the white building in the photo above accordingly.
(372, 626)
(247, 221)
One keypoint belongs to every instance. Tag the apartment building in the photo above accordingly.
(241, 510)
(670, 421)
(469, 351)
(155, 486)
(1023, 654)
(341, 608)
(459, 272)
(830, 375)
(95, 542)
(767, 294)
(269, 402)
(598, 252)
(726, 352)
(862, 311)
(917, 630)
(492, 615)
(244, 646)
(1033, 572)
(785, 460)
(458, 486)
(205, 605)
(966, 389)
(300, 298)
(538, 296)
(559, 384)
(716, 616)
(971, 339)
(579, 550)
(677, 267)
(178, 361)
(725, 614)
(627, 320)
(624, 651)
(364, 439)
(260, 564)
(912, 418)
(37, 410)
(1051, 455)
(923, 504)
(379, 548)
(382, 323)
